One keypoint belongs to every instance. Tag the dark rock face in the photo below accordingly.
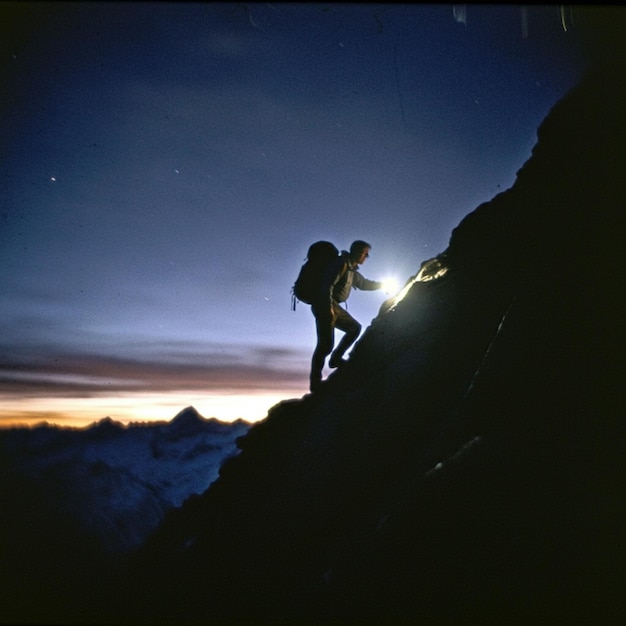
(467, 464)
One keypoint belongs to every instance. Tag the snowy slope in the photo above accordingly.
(115, 483)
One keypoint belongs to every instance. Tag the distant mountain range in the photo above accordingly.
(74, 498)
(114, 482)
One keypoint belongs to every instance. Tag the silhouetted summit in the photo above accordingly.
(186, 420)
(467, 463)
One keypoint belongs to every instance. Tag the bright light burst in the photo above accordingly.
(390, 285)
(432, 269)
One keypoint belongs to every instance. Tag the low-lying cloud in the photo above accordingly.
(231, 369)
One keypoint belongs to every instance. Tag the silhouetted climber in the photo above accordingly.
(340, 275)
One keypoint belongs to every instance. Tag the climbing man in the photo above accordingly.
(341, 276)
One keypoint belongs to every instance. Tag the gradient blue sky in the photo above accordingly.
(166, 165)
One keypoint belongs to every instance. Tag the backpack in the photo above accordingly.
(319, 255)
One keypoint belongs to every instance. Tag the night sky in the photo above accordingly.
(166, 166)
